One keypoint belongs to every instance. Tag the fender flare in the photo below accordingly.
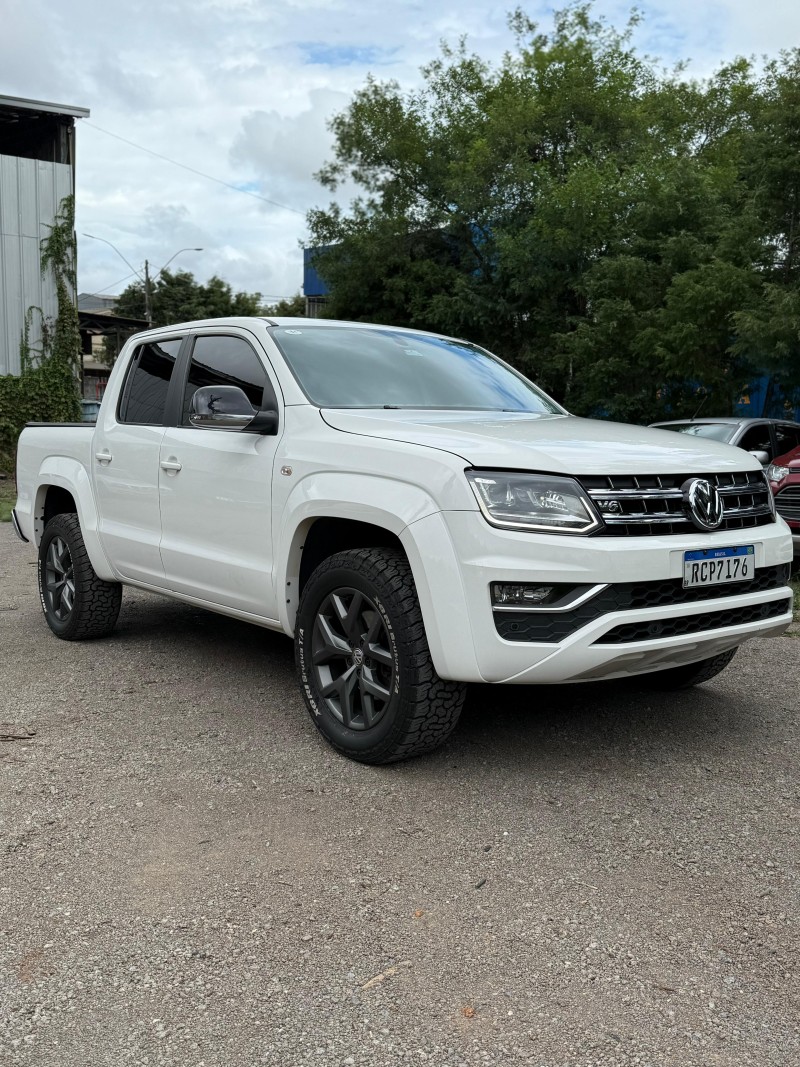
(416, 521)
(71, 475)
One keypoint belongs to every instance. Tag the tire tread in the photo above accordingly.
(691, 674)
(437, 702)
(97, 602)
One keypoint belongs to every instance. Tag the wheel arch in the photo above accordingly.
(63, 485)
(426, 544)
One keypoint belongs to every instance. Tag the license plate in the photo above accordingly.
(718, 566)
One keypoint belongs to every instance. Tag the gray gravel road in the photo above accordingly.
(583, 876)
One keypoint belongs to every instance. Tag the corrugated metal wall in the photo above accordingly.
(30, 192)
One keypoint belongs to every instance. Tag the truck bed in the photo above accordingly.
(48, 443)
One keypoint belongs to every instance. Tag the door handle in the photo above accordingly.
(103, 457)
(170, 465)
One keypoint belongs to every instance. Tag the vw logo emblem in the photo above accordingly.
(358, 657)
(703, 503)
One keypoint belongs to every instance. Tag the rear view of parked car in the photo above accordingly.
(784, 479)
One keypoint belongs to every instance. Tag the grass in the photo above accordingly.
(8, 498)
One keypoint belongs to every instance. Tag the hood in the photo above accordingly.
(562, 444)
(790, 460)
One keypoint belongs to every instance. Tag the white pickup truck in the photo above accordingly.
(414, 512)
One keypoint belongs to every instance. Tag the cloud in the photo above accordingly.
(289, 148)
(242, 90)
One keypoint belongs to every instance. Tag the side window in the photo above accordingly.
(144, 396)
(756, 439)
(227, 361)
(787, 437)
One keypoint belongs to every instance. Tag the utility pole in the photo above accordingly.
(148, 308)
(148, 292)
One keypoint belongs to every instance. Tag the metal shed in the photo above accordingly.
(37, 170)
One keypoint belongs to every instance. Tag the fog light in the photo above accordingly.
(509, 595)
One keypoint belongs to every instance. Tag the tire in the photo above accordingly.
(364, 663)
(76, 603)
(690, 674)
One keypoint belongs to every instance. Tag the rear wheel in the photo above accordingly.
(364, 662)
(76, 603)
(690, 674)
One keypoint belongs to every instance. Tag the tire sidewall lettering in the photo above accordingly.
(393, 641)
(304, 679)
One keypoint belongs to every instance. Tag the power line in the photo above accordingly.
(193, 170)
(113, 285)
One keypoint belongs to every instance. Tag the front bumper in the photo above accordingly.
(488, 555)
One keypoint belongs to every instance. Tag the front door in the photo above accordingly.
(216, 486)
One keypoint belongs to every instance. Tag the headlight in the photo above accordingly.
(776, 473)
(532, 502)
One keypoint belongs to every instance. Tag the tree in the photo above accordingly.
(768, 329)
(291, 307)
(592, 218)
(177, 297)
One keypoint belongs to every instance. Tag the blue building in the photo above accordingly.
(315, 289)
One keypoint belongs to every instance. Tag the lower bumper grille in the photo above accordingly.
(694, 624)
(552, 627)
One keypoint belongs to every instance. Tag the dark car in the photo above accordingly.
(763, 438)
(784, 479)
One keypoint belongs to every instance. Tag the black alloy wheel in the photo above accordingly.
(365, 668)
(77, 604)
(351, 657)
(59, 580)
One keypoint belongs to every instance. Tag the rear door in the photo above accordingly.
(216, 485)
(125, 463)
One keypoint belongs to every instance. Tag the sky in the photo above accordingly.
(241, 90)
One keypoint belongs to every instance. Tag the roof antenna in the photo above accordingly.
(700, 408)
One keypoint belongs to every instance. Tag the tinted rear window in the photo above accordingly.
(144, 397)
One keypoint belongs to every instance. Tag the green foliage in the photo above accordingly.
(8, 495)
(617, 231)
(177, 297)
(47, 387)
(292, 307)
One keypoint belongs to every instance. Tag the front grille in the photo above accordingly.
(693, 624)
(787, 503)
(638, 505)
(551, 626)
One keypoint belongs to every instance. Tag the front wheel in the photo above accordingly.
(364, 663)
(690, 674)
(76, 603)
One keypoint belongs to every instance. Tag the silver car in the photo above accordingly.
(763, 438)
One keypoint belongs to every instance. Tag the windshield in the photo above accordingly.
(717, 431)
(343, 367)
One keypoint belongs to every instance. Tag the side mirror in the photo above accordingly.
(226, 407)
(762, 457)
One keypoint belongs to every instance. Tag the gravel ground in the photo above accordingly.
(583, 876)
